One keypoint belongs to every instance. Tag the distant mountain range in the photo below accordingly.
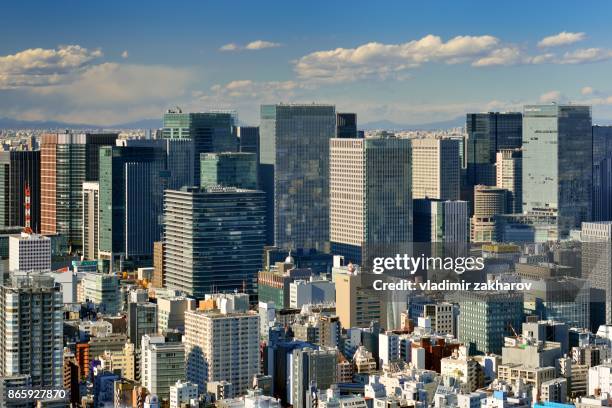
(7, 123)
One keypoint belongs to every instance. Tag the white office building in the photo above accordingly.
(29, 252)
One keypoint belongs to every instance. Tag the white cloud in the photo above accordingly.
(260, 45)
(587, 90)
(125, 54)
(551, 96)
(39, 67)
(586, 55)
(563, 38)
(252, 46)
(384, 60)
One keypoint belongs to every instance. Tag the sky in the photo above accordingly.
(411, 62)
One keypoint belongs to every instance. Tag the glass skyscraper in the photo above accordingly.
(131, 199)
(294, 156)
(228, 169)
(213, 239)
(210, 132)
(557, 163)
(19, 169)
(602, 173)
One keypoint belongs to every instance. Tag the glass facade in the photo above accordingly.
(18, 169)
(213, 239)
(294, 150)
(210, 132)
(602, 173)
(228, 170)
(557, 163)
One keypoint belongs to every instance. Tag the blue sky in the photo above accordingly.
(406, 61)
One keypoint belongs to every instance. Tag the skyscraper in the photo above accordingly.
(557, 163)
(436, 169)
(488, 203)
(602, 173)
(248, 139)
(222, 346)
(91, 219)
(441, 221)
(229, 169)
(596, 265)
(209, 131)
(18, 170)
(29, 252)
(131, 200)
(370, 194)
(68, 160)
(213, 239)
(487, 134)
(346, 125)
(294, 149)
(31, 329)
(311, 368)
(509, 169)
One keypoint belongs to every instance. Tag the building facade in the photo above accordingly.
(436, 169)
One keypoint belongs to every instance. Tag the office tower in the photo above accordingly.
(346, 126)
(311, 368)
(441, 221)
(91, 219)
(18, 170)
(488, 202)
(557, 163)
(162, 364)
(228, 169)
(442, 317)
(180, 163)
(294, 170)
(222, 347)
(131, 200)
(485, 318)
(171, 312)
(487, 134)
(436, 169)
(29, 252)
(602, 173)
(31, 329)
(141, 320)
(370, 202)
(102, 290)
(596, 265)
(213, 239)
(309, 292)
(509, 169)
(209, 131)
(66, 161)
(356, 304)
(248, 139)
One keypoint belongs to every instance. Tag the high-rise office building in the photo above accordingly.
(485, 318)
(557, 163)
(596, 265)
(602, 173)
(487, 134)
(488, 203)
(436, 169)
(102, 289)
(131, 200)
(356, 304)
(509, 169)
(29, 252)
(346, 126)
(91, 219)
(370, 194)
(18, 170)
(441, 221)
(162, 364)
(209, 131)
(294, 170)
(31, 329)
(228, 169)
(312, 368)
(222, 346)
(213, 239)
(180, 162)
(66, 161)
(248, 139)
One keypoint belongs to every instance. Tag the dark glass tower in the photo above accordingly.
(346, 126)
(19, 169)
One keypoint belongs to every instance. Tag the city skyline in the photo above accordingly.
(406, 63)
